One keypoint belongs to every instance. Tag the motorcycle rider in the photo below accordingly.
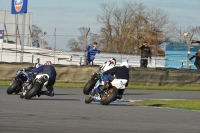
(121, 72)
(50, 70)
(108, 64)
(28, 71)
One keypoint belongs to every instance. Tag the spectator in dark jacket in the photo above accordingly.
(145, 53)
(197, 60)
(91, 52)
(50, 70)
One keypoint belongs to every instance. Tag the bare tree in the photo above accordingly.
(126, 27)
(178, 34)
(36, 35)
(79, 43)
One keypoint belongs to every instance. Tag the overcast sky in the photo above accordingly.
(69, 15)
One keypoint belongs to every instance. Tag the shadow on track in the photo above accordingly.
(64, 94)
(55, 99)
(138, 94)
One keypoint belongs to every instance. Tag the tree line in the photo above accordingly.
(125, 27)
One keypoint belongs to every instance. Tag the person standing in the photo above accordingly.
(91, 52)
(197, 60)
(145, 54)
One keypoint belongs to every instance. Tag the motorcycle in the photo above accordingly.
(91, 83)
(16, 86)
(34, 88)
(105, 93)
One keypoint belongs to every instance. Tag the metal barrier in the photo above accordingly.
(11, 53)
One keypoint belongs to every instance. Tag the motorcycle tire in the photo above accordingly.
(33, 91)
(89, 86)
(110, 96)
(14, 87)
(88, 99)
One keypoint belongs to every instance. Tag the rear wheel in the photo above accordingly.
(89, 86)
(14, 87)
(88, 99)
(33, 91)
(110, 96)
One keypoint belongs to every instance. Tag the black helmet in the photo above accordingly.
(113, 61)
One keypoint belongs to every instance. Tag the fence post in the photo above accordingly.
(70, 58)
(182, 64)
(32, 57)
(80, 60)
(86, 46)
(38, 60)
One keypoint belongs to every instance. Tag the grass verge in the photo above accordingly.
(179, 104)
(175, 88)
(59, 85)
(138, 87)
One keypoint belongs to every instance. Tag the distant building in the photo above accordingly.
(176, 55)
(10, 22)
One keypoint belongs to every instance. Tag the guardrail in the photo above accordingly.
(12, 53)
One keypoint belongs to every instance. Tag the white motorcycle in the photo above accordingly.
(91, 83)
(35, 87)
(106, 93)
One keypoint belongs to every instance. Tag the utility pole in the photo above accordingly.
(189, 43)
(85, 49)
(54, 44)
(16, 28)
(23, 36)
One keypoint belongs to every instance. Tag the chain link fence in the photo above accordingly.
(55, 48)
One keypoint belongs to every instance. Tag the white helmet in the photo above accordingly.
(37, 65)
(125, 64)
(113, 61)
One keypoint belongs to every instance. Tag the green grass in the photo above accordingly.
(179, 104)
(139, 87)
(175, 88)
(69, 85)
(5, 83)
(59, 85)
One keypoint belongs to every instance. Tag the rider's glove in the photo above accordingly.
(100, 73)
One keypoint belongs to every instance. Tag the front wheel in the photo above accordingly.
(14, 87)
(110, 96)
(33, 91)
(89, 86)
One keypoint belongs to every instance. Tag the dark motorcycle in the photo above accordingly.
(16, 86)
(34, 88)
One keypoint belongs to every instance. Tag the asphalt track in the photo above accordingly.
(66, 112)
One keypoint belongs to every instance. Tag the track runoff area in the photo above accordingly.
(67, 112)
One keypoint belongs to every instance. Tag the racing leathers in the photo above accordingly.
(119, 73)
(50, 70)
